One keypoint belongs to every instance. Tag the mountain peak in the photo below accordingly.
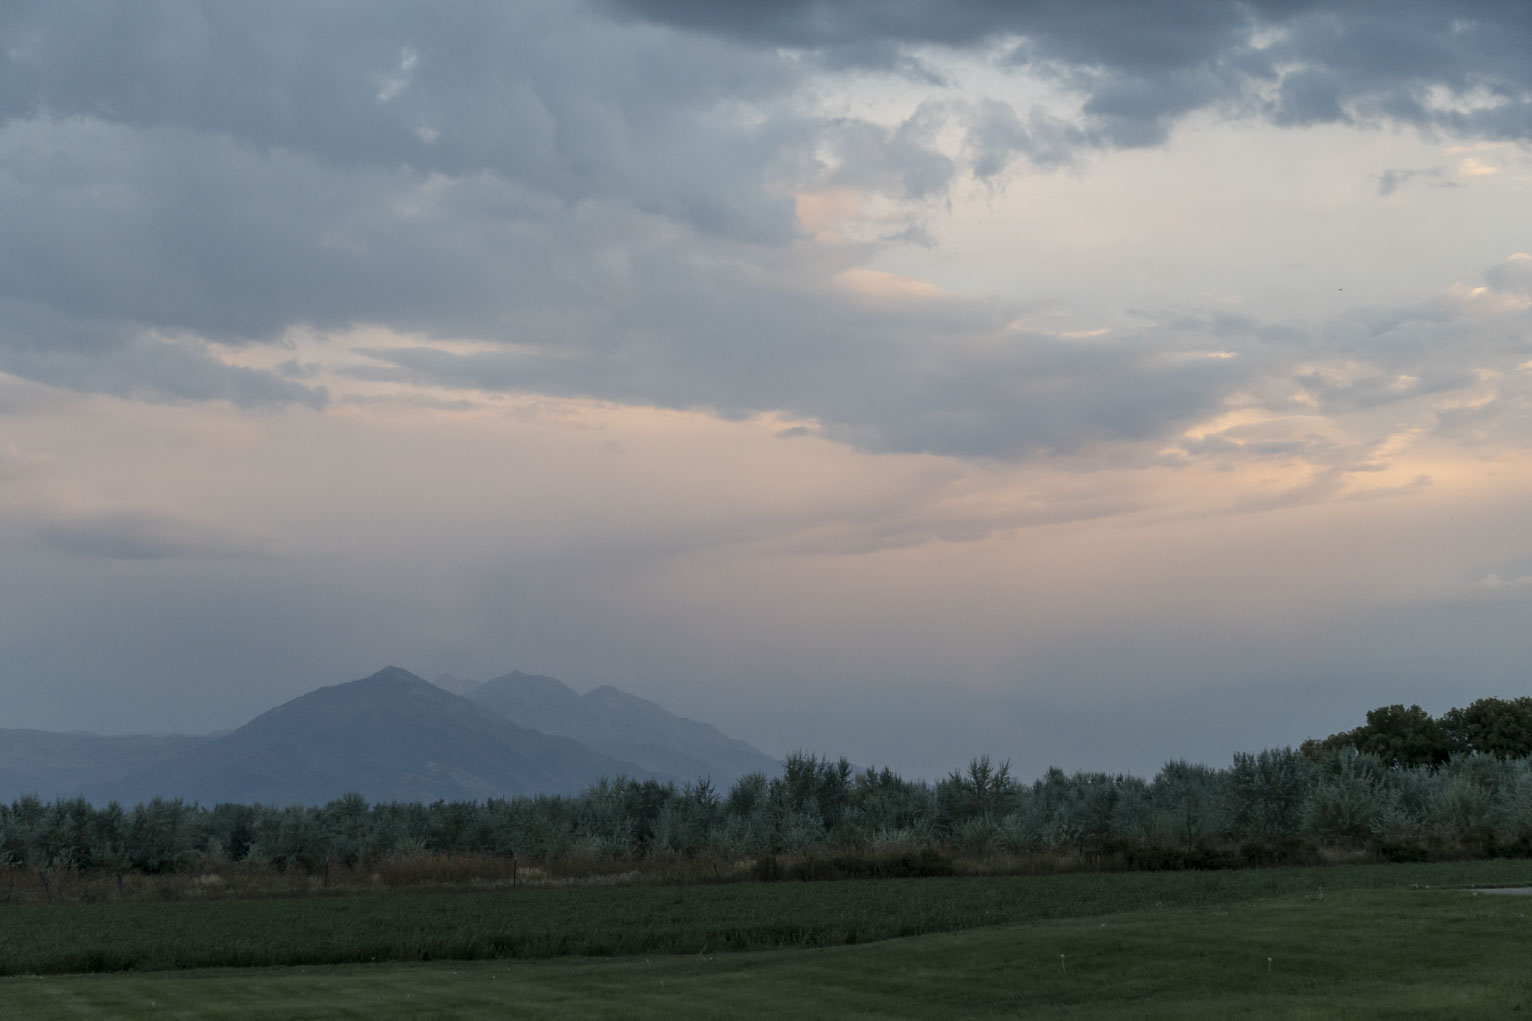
(532, 685)
(392, 735)
(393, 675)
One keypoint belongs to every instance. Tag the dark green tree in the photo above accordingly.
(1491, 726)
(1403, 737)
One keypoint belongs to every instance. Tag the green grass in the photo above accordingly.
(615, 921)
(1354, 954)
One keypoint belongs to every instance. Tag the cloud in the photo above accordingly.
(1518, 586)
(1119, 34)
(1002, 396)
(569, 105)
(607, 204)
(50, 346)
(1342, 391)
(150, 535)
(1504, 587)
(1471, 167)
(1391, 181)
(996, 136)
(179, 174)
(16, 464)
(1139, 68)
(1513, 275)
(901, 528)
(163, 371)
(863, 365)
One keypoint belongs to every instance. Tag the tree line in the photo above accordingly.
(1278, 805)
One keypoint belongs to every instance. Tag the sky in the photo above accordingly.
(1082, 385)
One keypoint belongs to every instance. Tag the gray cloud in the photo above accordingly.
(1513, 275)
(92, 355)
(1139, 67)
(902, 161)
(1492, 589)
(572, 106)
(610, 199)
(228, 171)
(1120, 33)
(722, 340)
(1391, 181)
(1375, 388)
(149, 535)
(903, 527)
(165, 372)
(865, 375)
(17, 465)
(997, 135)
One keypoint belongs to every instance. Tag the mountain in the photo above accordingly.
(625, 727)
(391, 736)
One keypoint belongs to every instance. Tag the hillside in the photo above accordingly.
(624, 727)
(391, 736)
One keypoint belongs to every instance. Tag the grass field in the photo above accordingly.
(618, 921)
(1354, 954)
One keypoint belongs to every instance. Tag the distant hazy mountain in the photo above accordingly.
(391, 736)
(63, 765)
(456, 685)
(625, 727)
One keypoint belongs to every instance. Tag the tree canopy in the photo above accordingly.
(1401, 736)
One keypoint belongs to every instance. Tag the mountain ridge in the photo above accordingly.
(623, 725)
(389, 736)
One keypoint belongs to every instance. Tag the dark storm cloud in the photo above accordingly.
(231, 170)
(612, 197)
(1123, 32)
(570, 106)
(236, 228)
(548, 224)
(1140, 66)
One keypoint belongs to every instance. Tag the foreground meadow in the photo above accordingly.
(603, 921)
(1355, 953)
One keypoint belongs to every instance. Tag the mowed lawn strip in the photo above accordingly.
(613, 921)
(1354, 954)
